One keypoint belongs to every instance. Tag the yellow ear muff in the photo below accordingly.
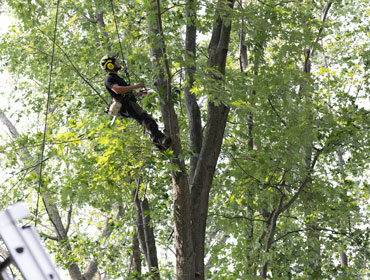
(110, 66)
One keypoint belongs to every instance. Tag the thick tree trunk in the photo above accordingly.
(190, 231)
(203, 179)
(181, 193)
(216, 123)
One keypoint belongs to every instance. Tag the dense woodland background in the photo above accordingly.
(267, 103)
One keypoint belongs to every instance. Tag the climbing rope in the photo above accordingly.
(120, 44)
(46, 116)
(76, 69)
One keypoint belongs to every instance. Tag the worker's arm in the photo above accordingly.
(125, 89)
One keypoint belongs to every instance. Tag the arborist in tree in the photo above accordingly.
(125, 103)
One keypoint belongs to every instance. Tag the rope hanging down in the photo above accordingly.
(75, 68)
(46, 116)
(120, 44)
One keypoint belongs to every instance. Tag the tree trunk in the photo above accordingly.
(343, 259)
(272, 229)
(243, 64)
(181, 194)
(101, 25)
(146, 233)
(136, 256)
(192, 108)
(216, 123)
(190, 225)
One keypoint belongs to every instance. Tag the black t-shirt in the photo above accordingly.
(114, 79)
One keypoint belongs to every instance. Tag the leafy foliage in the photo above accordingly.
(292, 135)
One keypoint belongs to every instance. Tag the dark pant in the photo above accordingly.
(136, 112)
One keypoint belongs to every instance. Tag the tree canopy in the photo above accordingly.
(267, 106)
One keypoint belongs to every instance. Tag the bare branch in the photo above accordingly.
(311, 228)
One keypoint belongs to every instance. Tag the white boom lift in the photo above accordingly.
(24, 246)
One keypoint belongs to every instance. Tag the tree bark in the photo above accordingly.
(243, 64)
(216, 123)
(190, 231)
(101, 25)
(192, 107)
(343, 259)
(146, 233)
(149, 239)
(136, 255)
(272, 229)
(181, 194)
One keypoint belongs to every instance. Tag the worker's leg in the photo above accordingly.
(145, 120)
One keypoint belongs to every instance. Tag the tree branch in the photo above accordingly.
(69, 217)
(174, 6)
(55, 238)
(51, 143)
(74, 67)
(303, 185)
(238, 217)
(276, 112)
(192, 107)
(323, 19)
(107, 231)
(310, 228)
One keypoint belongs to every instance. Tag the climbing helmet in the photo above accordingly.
(107, 61)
